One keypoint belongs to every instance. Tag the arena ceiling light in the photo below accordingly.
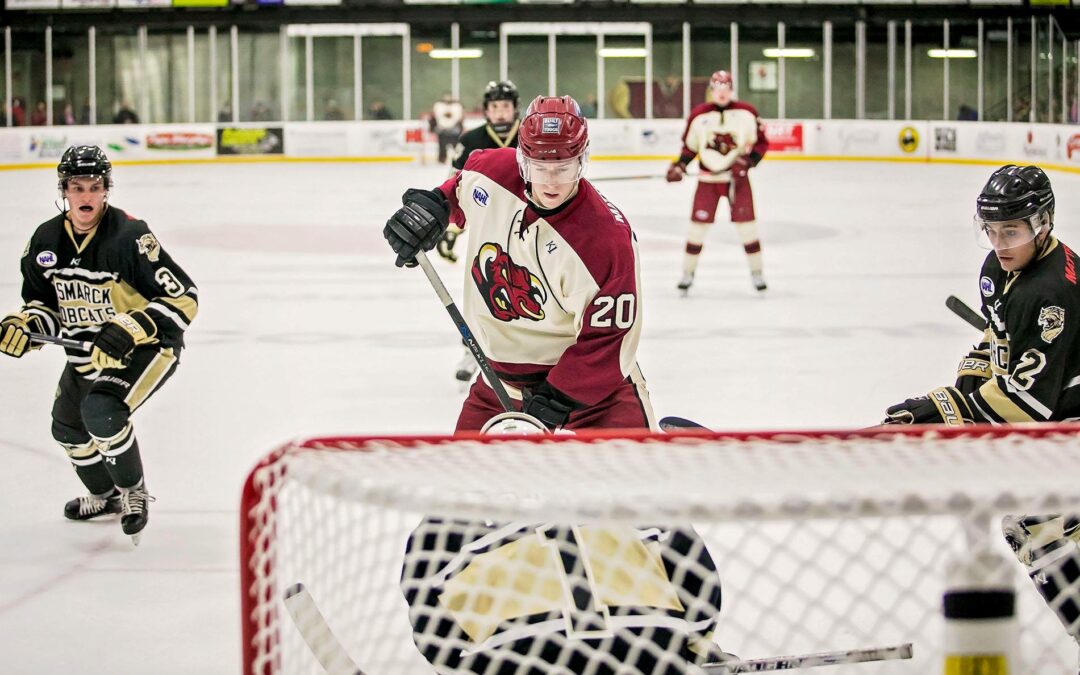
(788, 52)
(952, 53)
(456, 53)
(623, 52)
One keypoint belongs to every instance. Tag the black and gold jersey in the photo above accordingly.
(78, 282)
(1033, 335)
(483, 138)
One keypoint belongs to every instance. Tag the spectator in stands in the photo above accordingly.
(379, 111)
(333, 111)
(967, 113)
(3, 113)
(66, 115)
(260, 112)
(224, 114)
(38, 118)
(18, 111)
(84, 113)
(125, 115)
(588, 108)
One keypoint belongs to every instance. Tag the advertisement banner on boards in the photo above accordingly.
(250, 141)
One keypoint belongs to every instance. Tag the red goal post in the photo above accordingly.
(822, 540)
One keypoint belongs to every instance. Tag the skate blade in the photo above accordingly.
(136, 538)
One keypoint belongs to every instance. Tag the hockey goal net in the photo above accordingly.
(821, 541)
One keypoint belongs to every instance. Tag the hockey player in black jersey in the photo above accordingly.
(500, 131)
(1027, 366)
(95, 273)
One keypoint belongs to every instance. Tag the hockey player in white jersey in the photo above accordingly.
(552, 277)
(728, 138)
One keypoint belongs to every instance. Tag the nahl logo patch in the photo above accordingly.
(149, 247)
(480, 196)
(46, 259)
(550, 125)
(1052, 322)
(986, 285)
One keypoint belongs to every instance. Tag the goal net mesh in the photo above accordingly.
(642, 553)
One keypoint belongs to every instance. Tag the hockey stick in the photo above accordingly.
(466, 334)
(311, 624)
(645, 176)
(960, 309)
(902, 651)
(680, 424)
(63, 342)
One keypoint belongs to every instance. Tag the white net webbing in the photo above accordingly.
(555, 552)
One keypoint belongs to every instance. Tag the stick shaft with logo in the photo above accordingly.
(466, 334)
(63, 342)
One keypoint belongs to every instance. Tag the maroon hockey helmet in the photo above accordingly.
(553, 138)
(721, 78)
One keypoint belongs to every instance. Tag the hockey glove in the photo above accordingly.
(15, 332)
(118, 338)
(675, 172)
(417, 225)
(445, 247)
(973, 371)
(741, 167)
(548, 404)
(944, 405)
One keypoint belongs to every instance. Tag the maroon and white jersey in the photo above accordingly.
(549, 294)
(720, 135)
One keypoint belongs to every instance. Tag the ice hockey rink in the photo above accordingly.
(307, 328)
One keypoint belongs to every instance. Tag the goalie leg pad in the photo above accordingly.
(1047, 546)
(491, 598)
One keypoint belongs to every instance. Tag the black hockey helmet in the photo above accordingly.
(84, 160)
(501, 91)
(1015, 193)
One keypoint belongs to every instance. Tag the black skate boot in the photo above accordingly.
(135, 504)
(686, 282)
(92, 506)
(759, 282)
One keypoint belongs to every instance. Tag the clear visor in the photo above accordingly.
(1005, 234)
(555, 172)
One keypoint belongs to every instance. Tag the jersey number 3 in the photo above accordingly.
(619, 311)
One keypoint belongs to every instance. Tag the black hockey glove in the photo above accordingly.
(417, 225)
(973, 371)
(944, 405)
(118, 337)
(548, 404)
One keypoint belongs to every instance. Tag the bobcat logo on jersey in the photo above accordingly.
(510, 291)
(722, 143)
(1052, 322)
(482, 594)
(149, 247)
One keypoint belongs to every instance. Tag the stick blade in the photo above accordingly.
(680, 424)
(901, 651)
(312, 625)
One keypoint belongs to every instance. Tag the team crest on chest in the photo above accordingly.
(1052, 322)
(149, 247)
(722, 143)
(509, 290)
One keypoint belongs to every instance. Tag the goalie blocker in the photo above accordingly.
(514, 598)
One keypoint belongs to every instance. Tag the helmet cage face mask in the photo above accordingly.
(553, 171)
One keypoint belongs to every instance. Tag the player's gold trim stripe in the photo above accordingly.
(185, 304)
(150, 378)
(1002, 404)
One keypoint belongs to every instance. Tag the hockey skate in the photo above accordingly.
(759, 281)
(466, 368)
(92, 506)
(686, 282)
(135, 511)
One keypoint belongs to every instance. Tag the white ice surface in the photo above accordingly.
(307, 328)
